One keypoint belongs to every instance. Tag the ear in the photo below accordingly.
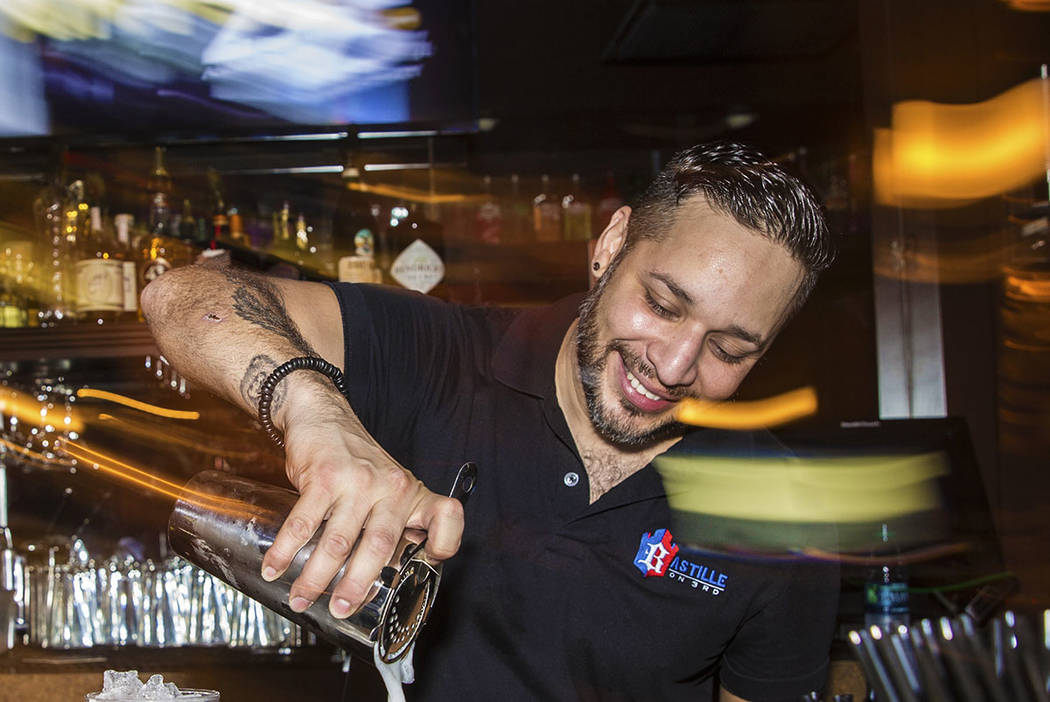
(610, 241)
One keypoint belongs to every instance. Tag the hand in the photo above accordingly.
(343, 476)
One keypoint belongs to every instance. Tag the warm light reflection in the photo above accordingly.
(44, 458)
(952, 262)
(173, 436)
(758, 414)
(137, 404)
(414, 194)
(1029, 5)
(937, 155)
(812, 489)
(155, 483)
(821, 506)
(31, 411)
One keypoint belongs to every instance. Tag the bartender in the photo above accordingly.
(567, 581)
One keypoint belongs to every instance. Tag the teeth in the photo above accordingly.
(640, 388)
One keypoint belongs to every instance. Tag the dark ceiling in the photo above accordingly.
(666, 71)
(670, 72)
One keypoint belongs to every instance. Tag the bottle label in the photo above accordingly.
(12, 316)
(418, 267)
(364, 243)
(100, 285)
(131, 295)
(886, 598)
(357, 269)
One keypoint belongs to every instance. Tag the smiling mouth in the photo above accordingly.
(640, 389)
(637, 397)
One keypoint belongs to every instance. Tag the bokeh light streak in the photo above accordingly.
(156, 483)
(825, 489)
(903, 557)
(32, 455)
(137, 404)
(758, 414)
(937, 155)
(31, 411)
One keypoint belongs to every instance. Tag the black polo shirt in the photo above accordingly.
(551, 597)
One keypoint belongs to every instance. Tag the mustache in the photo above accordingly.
(639, 368)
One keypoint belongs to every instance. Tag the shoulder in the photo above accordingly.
(402, 318)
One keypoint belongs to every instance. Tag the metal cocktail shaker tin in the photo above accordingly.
(224, 524)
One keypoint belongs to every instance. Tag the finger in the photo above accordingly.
(379, 539)
(300, 526)
(333, 548)
(442, 518)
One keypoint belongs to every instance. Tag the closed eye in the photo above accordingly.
(722, 355)
(656, 307)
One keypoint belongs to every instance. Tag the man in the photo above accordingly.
(551, 595)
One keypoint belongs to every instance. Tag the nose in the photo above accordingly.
(675, 356)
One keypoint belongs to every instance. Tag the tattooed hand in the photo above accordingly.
(227, 330)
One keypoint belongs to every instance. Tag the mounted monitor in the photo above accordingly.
(152, 66)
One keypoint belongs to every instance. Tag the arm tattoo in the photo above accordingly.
(257, 300)
(258, 369)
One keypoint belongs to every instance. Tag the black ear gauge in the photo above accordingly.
(596, 266)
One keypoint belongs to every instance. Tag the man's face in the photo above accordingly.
(687, 315)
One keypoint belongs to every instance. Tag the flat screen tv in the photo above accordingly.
(155, 67)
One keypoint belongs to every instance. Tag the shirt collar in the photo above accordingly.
(526, 355)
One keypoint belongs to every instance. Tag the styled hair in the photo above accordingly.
(738, 181)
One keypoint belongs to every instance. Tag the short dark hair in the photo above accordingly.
(740, 182)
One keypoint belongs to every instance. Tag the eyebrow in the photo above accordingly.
(679, 292)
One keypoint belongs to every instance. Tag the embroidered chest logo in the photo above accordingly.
(657, 556)
(655, 553)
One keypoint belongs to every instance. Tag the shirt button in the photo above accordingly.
(571, 478)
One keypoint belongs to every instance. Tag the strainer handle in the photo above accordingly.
(466, 480)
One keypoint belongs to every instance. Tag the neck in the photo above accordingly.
(607, 464)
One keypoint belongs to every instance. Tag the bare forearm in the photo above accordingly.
(225, 330)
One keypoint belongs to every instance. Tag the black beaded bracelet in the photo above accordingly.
(277, 375)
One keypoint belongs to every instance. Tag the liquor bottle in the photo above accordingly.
(354, 233)
(886, 586)
(220, 221)
(12, 310)
(190, 231)
(123, 224)
(609, 202)
(160, 249)
(488, 219)
(546, 212)
(76, 218)
(360, 267)
(159, 188)
(13, 313)
(305, 249)
(417, 249)
(237, 233)
(100, 274)
(576, 213)
(283, 243)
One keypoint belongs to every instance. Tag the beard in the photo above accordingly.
(592, 359)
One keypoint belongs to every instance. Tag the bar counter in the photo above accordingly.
(29, 673)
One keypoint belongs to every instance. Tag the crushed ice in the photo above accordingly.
(121, 685)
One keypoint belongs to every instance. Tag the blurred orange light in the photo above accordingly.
(937, 155)
(138, 404)
(759, 414)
